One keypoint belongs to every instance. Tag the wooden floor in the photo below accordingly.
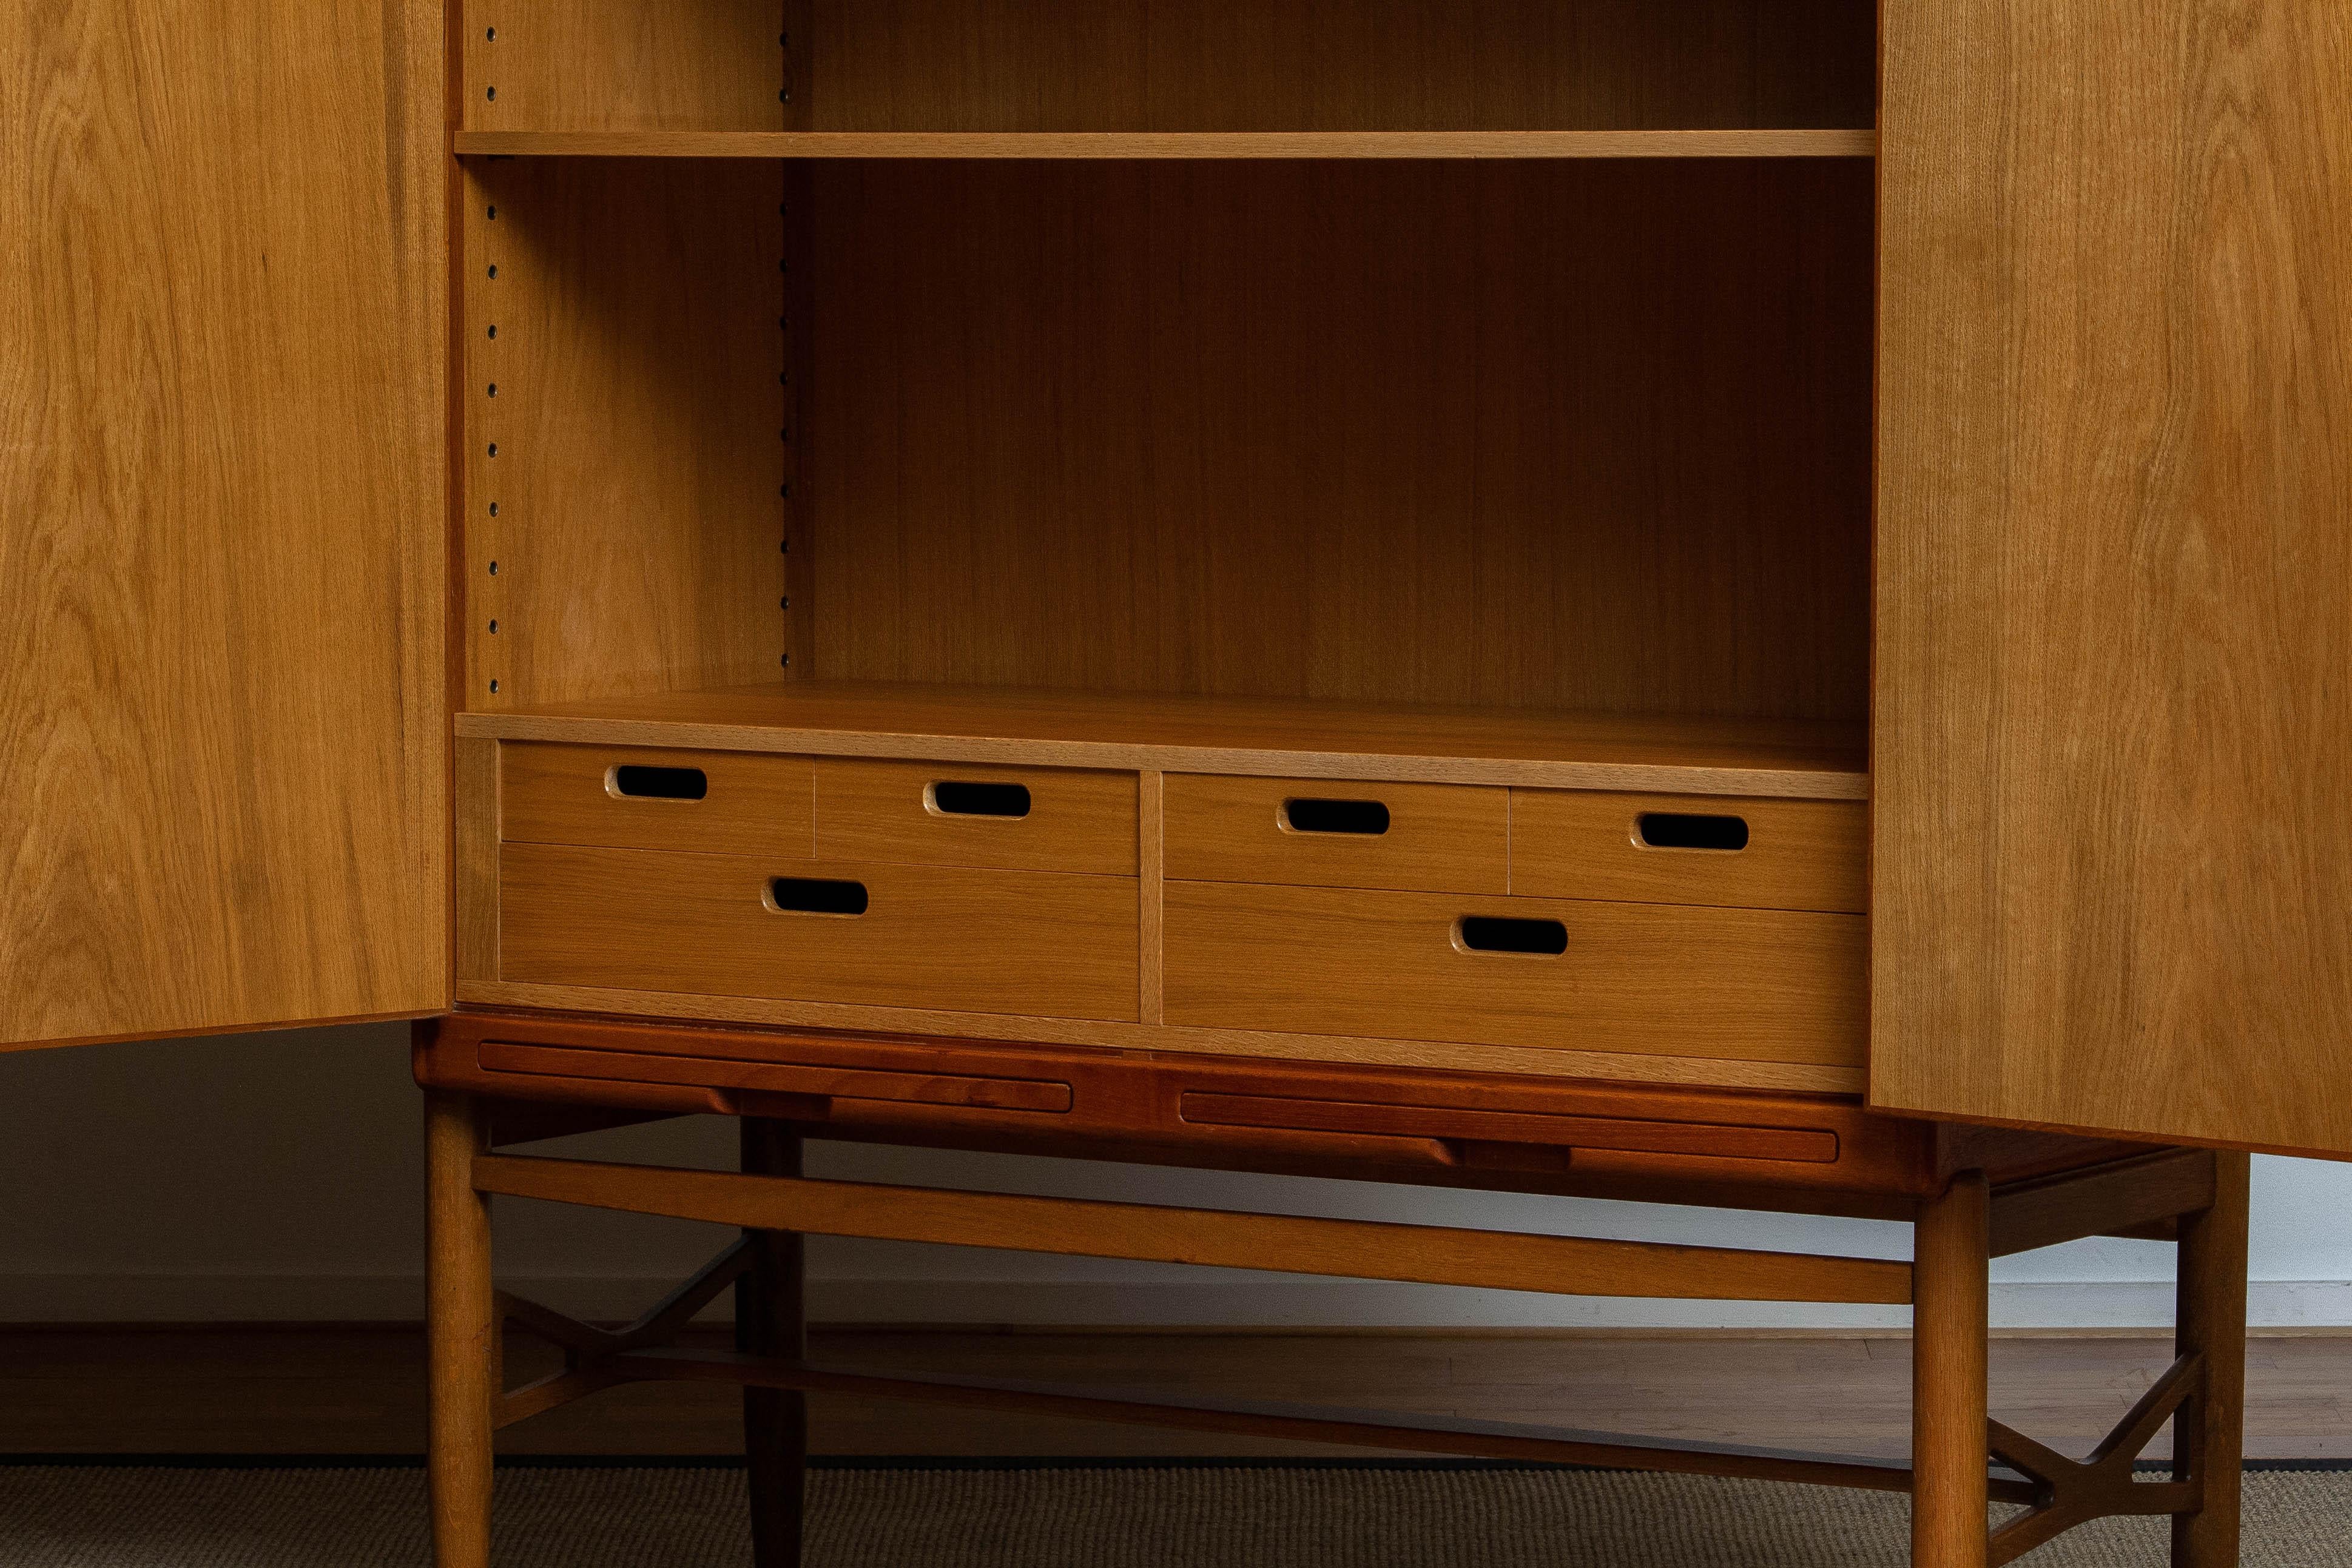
(359, 1390)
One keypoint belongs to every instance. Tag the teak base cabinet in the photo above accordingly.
(1717, 600)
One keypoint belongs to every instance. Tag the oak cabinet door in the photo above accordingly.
(223, 515)
(2113, 717)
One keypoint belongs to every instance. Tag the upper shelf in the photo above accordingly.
(1205, 145)
(1220, 734)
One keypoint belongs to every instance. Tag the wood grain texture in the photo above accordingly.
(1374, 432)
(2209, 1438)
(628, 534)
(1129, 145)
(1078, 819)
(463, 1332)
(1373, 64)
(1440, 838)
(1949, 1527)
(1704, 755)
(1151, 835)
(223, 705)
(580, 65)
(1768, 985)
(474, 783)
(1453, 1056)
(1079, 1227)
(2114, 579)
(572, 795)
(974, 941)
(1801, 855)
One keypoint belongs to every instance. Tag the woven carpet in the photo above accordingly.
(1188, 1517)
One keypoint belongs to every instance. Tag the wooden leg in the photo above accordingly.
(769, 1320)
(2209, 1435)
(462, 1334)
(1952, 1254)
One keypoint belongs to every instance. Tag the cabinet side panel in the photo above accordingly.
(2113, 640)
(222, 709)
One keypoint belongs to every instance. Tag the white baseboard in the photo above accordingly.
(1259, 1301)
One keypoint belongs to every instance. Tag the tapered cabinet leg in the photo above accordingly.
(1950, 1456)
(2209, 1435)
(462, 1334)
(769, 1320)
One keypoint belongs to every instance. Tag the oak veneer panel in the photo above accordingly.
(1077, 820)
(2115, 578)
(572, 795)
(1783, 985)
(1440, 838)
(1692, 755)
(1039, 942)
(223, 690)
(628, 533)
(1539, 436)
(1296, 65)
(1801, 855)
(587, 65)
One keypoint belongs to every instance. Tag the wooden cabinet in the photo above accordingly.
(1229, 529)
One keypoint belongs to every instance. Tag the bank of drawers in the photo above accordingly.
(1538, 918)
(876, 883)
(1581, 920)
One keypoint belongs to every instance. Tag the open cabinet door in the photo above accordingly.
(223, 515)
(2113, 717)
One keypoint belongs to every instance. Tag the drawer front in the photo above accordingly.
(956, 814)
(872, 934)
(1738, 984)
(1684, 849)
(713, 802)
(1323, 833)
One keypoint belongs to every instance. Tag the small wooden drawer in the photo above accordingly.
(716, 802)
(1660, 979)
(959, 814)
(861, 933)
(1323, 833)
(1684, 849)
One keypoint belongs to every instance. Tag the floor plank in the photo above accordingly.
(361, 1390)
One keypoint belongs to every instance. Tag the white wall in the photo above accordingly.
(277, 1178)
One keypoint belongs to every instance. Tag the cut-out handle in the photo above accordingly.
(1689, 831)
(637, 782)
(1367, 818)
(809, 895)
(1495, 934)
(964, 798)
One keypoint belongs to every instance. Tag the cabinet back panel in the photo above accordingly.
(592, 65)
(1553, 435)
(1296, 65)
(638, 523)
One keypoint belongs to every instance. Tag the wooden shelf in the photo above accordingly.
(1215, 734)
(1295, 145)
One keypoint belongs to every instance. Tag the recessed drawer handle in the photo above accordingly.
(809, 895)
(1494, 934)
(1689, 830)
(636, 782)
(1370, 817)
(962, 798)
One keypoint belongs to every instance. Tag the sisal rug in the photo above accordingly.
(1139, 1517)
